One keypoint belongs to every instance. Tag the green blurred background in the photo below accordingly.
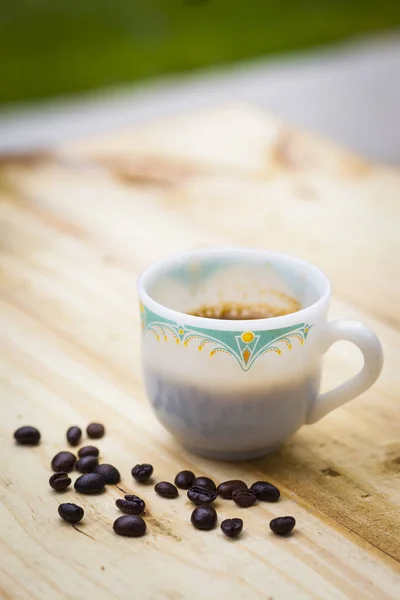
(56, 47)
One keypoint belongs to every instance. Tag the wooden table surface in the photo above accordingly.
(78, 224)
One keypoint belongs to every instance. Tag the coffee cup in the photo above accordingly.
(236, 388)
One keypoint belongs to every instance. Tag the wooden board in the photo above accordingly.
(77, 226)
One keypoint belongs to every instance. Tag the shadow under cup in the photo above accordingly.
(231, 389)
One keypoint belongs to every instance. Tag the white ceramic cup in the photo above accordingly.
(236, 389)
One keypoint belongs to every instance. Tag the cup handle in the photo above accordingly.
(370, 346)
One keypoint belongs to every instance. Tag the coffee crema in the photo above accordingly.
(237, 311)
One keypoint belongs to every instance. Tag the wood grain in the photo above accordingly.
(77, 226)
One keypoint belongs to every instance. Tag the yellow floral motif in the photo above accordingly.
(288, 344)
(248, 336)
(276, 350)
(181, 331)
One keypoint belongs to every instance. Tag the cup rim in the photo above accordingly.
(158, 267)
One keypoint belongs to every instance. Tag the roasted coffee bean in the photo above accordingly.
(88, 451)
(59, 481)
(282, 525)
(72, 513)
(130, 526)
(132, 505)
(166, 489)
(27, 435)
(63, 461)
(244, 498)
(86, 464)
(110, 473)
(90, 483)
(204, 517)
(226, 489)
(205, 482)
(232, 527)
(265, 491)
(185, 480)
(142, 473)
(95, 430)
(74, 435)
(200, 495)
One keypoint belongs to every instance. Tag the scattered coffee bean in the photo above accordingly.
(204, 517)
(27, 435)
(110, 473)
(282, 525)
(87, 464)
(166, 489)
(205, 482)
(226, 489)
(63, 461)
(90, 483)
(130, 526)
(132, 505)
(59, 481)
(88, 451)
(265, 491)
(232, 527)
(95, 430)
(74, 435)
(142, 473)
(244, 498)
(72, 513)
(200, 495)
(185, 480)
